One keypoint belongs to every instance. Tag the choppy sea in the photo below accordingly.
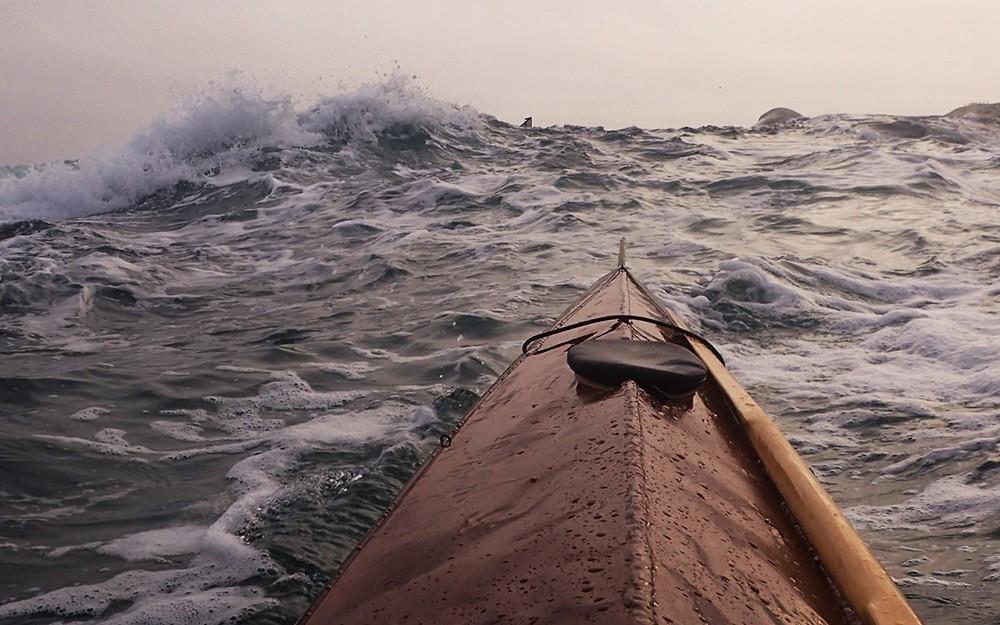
(225, 346)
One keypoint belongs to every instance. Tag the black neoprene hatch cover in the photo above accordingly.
(665, 367)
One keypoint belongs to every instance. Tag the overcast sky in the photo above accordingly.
(79, 75)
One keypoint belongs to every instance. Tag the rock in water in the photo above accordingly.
(983, 112)
(777, 116)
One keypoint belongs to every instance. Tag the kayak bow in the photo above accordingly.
(562, 501)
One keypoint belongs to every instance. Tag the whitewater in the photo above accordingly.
(228, 344)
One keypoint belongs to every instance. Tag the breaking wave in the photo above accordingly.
(229, 135)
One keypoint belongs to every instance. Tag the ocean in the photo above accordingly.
(228, 344)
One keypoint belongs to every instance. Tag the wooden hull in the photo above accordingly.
(560, 503)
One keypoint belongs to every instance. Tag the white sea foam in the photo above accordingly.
(238, 417)
(347, 370)
(287, 392)
(188, 432)
(905, 353)
(109, 441)
(947, 502)
(206, 592)
(920, 579)
(156, 544)
(89, 414)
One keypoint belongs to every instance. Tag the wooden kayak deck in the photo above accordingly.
(559, 503)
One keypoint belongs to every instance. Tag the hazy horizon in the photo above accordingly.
(78, 78)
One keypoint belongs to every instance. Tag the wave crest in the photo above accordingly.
(214, 139)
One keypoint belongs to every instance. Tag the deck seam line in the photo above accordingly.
(640, 595)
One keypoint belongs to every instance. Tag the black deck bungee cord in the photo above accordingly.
(623, 319)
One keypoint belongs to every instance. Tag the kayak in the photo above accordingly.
(616, 472)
